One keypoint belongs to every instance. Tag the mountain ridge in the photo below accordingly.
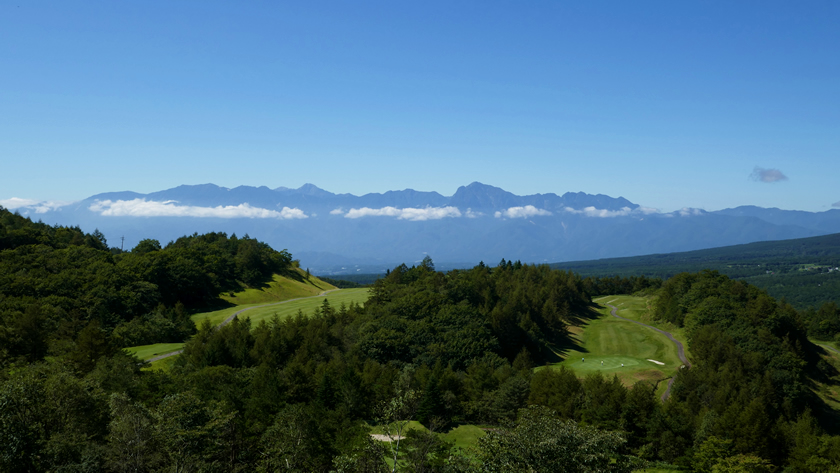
(479, 222)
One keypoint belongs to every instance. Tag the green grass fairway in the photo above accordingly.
(162, 365)
(638, 308)
(284, 309)
(829, 390)
(144, 352)
(606, 343)
(831, 344)
(279, 289)
(464, 436)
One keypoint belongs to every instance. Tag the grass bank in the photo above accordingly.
(622, 348)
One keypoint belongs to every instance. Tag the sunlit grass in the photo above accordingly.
(621, 348)
(279, 289)
(283, 309)
(144, 352)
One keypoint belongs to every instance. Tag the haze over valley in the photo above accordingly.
(478, 222)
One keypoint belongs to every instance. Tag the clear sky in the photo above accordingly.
(668, 104)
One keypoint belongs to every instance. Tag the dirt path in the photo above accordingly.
(227, 320)
(680, 349)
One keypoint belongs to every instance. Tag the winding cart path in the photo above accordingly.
(680, 349)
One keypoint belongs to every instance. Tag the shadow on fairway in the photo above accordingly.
(582, 317)
(561, 348)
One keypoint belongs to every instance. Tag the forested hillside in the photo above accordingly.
(803, 271)
(58, 283)
(461, 348)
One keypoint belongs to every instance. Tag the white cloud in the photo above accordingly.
(31, 204)
(687, 211)
(16, 203)
(471, 214)
(143, 208)
(601, 213)
(521, 212)
(412, 214)
(604, 213)
(337, 212)
(767, 175)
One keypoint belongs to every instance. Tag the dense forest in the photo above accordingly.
(463, 347)
(803, 271)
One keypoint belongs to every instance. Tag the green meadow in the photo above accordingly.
(622, 348)
(464, 436)
(280, 288)
(258, 312)
(144, 352)
(282, 296)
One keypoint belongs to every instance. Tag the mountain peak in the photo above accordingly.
(306, 189)
(312, 189)
(482, 196)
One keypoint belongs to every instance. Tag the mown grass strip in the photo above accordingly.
(622, 348)
(284, 309)
(144, 352)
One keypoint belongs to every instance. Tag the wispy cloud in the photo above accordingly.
(521, 212)
(686, 212)
(37, 205)
(601, 213)
(604, 213)
(767, 175)
(337, 212)
(169, 208)
(412, 214)
(470, 214)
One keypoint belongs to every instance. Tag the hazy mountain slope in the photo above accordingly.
(478, 222)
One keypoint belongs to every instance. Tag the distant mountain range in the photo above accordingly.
(328, 231)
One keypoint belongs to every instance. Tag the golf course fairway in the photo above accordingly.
(621, 347)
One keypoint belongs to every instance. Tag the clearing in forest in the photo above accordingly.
(623, 348)
(283, 296)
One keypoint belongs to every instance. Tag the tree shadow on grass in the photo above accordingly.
(578, 319)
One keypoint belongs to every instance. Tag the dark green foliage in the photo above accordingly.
(800, 271)
(597, 286)
(162, 325)
(823, 324)
(421, 316)
(442, 348)
(751, 361)
(542, 442)
(559, 390)
(54, 281)
(341, 283)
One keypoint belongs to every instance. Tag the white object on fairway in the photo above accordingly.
(657, 362)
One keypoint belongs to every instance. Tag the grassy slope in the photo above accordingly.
(829, 390)
(278, 290)
(607, 342)
(144, 352)
(286, 307)
(464, 436)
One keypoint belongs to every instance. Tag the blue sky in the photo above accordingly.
(668, 104)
